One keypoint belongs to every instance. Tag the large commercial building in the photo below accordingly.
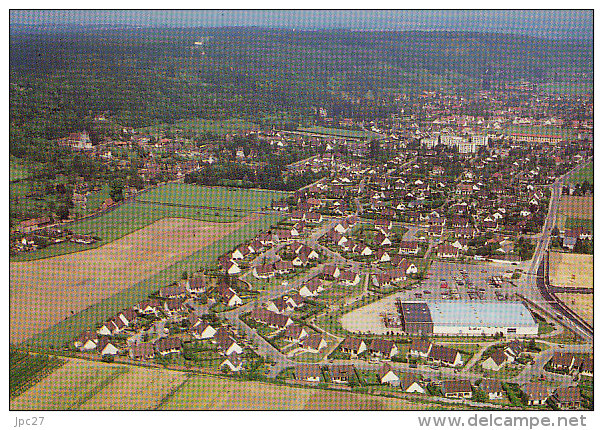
(415, 318)
(539, 134)
(467, 318)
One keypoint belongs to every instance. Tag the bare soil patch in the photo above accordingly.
(140, 388)
(571, 270)
(44, 292)
(67, 387)
(582, 304)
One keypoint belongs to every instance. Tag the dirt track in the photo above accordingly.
(43, 292)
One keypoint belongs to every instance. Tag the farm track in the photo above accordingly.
(213, 208)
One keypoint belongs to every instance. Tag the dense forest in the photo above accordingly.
(149, 76)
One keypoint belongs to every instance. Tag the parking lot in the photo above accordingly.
(455, 281)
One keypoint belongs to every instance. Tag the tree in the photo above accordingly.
(117, 190)
(62, 212)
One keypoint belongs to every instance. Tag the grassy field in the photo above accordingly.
(566, 88)
(582, 304)
(26, 370)
(571, 270)
(68, 387)
(227, 205)
(571, 223)
(218, 198)
(200, 126)
(573, 207)
(223, 127)
(96, 199)
(586, 173)
(69, 328)
(94, 385)
(357, 134)
(17, 169)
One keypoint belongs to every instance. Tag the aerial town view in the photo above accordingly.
(245, 214)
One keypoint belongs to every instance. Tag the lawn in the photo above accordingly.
(358, 134)
(586, 173)
(218, 198)
(205, 258)
(220, 127)
(96, 198)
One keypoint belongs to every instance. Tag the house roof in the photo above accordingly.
(172, 290)
(269, 317)
(420, 345)
(384, 370)
(168, 343)
(143, 350)
(345, 370)
(456, 386)
(568, 394)
(352, 343)
(293, 331)
(499, 357)
(313, 341)
(382, 345)
(347, 275)
(407, 379)
(535, 390)
(306, 371)
(564, 359)
(175, 304)
(443, 353)
(329, 269)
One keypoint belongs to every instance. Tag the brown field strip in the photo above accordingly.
(577, 206)
(571, 270)
(139, 389)
(207, 392)
(81, 384)
(68, 387)
(44, 292)
(582, 304)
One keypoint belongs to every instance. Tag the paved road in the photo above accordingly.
(533, 283)
(531, 371)
(480, 273)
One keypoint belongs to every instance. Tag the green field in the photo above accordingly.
(25, 370)
(95, 199)
(570, 223)
(228, 205)
(122, 221)
(567, 88)
(17, 169)
(357, 134)
(68, 329)
(212, 197)
(586, 173)
(200, 126)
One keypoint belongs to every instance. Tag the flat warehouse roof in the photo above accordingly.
(416, 312)
(474, 313)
